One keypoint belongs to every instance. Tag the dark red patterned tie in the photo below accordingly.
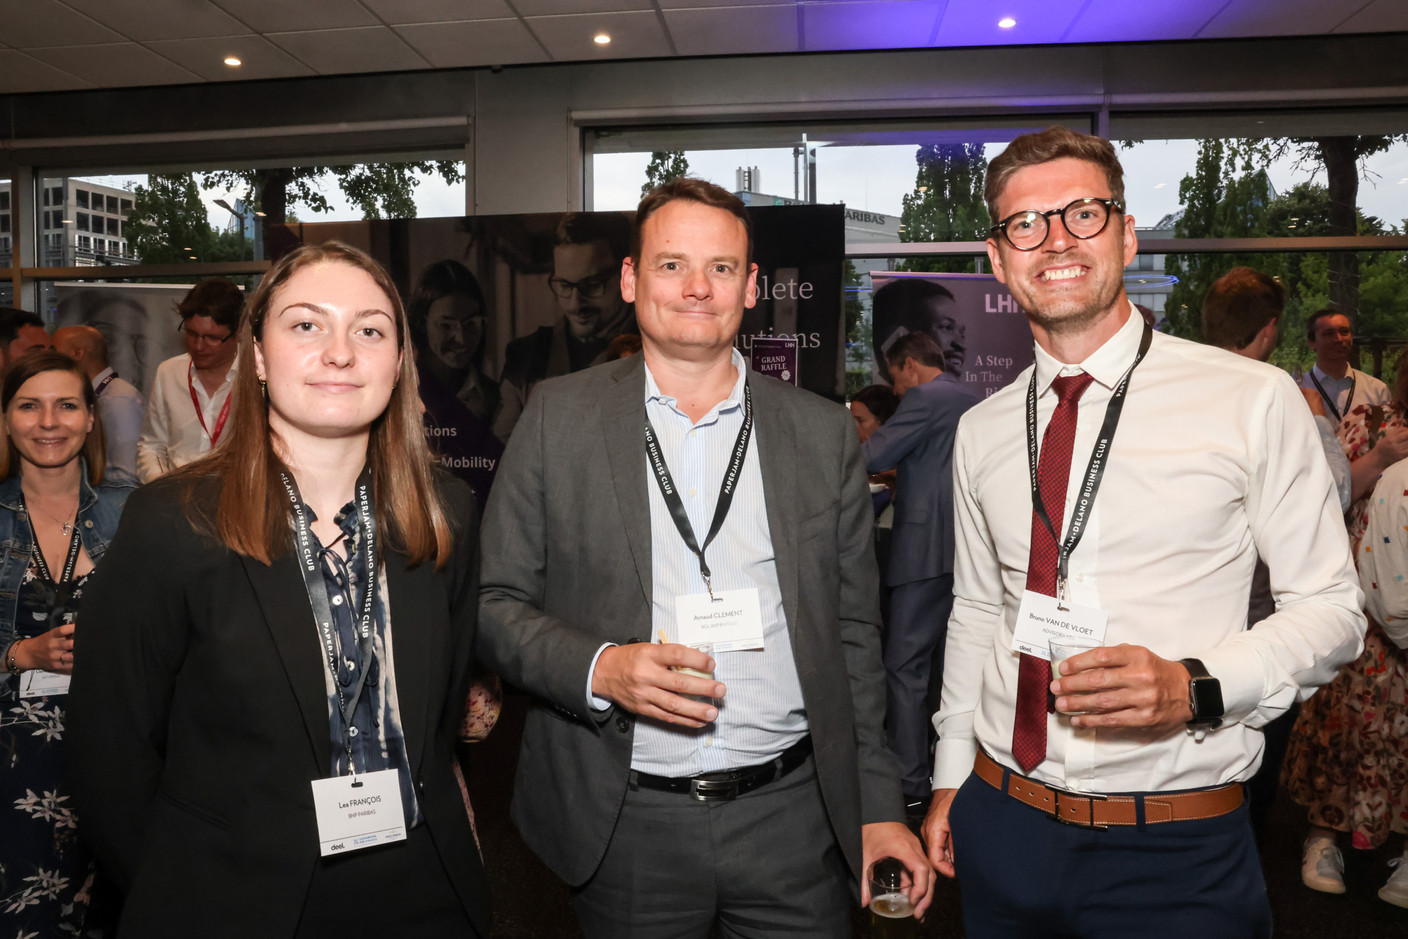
(1053, 471)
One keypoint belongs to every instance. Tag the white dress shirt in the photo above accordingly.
(1215, 460)
(1347, 393)
(172, 434)
(1383, 555)
(121, 408)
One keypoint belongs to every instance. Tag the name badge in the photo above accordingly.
(356, 812)
(731, 619)
(1041, 619)
(37, 683)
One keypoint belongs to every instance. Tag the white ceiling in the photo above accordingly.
(51, 45)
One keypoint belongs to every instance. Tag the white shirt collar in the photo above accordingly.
(1106, 364)
(735, 395)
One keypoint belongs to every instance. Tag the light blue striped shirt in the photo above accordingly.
(763, 713)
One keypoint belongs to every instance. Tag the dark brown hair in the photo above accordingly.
(1239, 305)
(1319, 315)
(36, 363)
(1054, 143)
(251, 518)
(218, 298)
(690, 189)
(879, 400)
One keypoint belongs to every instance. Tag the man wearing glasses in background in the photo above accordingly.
(190, 396)
(586, 280)
(1109, 802)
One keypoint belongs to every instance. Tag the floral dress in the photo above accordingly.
(1348, 756)
(46, 874)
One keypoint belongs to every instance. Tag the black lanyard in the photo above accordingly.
(1094, 472)
(1330, 402)
(102, 385)
(310, 563)
(726, 490)
(57, 597)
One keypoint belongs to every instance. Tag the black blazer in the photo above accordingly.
(198, 719)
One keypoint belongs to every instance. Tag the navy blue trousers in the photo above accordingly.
(1026, 876)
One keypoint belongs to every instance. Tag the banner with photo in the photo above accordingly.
(980, 327)
(139, 321)
(499, 303)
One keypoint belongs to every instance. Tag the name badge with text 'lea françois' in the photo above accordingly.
(730, 619)
(361, 811)
(37, 683)
(1041, 619)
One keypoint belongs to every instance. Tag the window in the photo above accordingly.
(112, 226)
(56, 196)
(85, 242)
(112, 205)
(80, 196)
(5, 222)
(126, 207)
(5, 199)
(81, 220)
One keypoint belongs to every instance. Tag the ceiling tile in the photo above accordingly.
(633, 35)
(47, 23)
(1122, 21)
(734, 30)
(974, 22)
(19, 73)
(552, 7)
(706, 4)
(1384, 16)
(160, 19)
(1250, 18)
(116, 65)
(877, 24)
(264, 16)
(206, 57)
(482, 42)
(349, 51)
(397, 12)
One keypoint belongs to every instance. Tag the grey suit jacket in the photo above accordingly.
(918, 442)
(567, 567)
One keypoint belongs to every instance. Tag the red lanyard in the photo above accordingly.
(200, 416)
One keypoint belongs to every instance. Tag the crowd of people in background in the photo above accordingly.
(232, 696)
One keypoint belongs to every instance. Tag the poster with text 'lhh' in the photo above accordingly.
(974, 319)
(499, 303)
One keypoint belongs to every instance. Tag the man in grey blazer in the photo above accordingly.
(918, 442)
(671, 498)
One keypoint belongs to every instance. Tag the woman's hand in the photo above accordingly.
(52, 651)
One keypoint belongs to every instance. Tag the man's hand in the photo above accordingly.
(1317, 403)
(639, 678)
(937, 834)
(1123, 686)
(880, 840)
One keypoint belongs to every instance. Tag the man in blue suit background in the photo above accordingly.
(918, 442)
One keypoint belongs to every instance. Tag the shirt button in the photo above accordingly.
(693, 492)
(352, 731)
(708, 741)
(623, 724)
(337, 601)
(88, 524)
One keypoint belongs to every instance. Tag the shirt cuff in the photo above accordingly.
(953, 761)
(1239, 672)
(596, 702)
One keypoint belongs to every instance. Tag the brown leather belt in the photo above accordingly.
(1096, 811)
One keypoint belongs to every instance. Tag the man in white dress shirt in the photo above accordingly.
(120, 404)
(1342, 387)
(1144, 544)
(190, 397)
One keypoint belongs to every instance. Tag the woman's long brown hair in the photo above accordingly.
(252, 516)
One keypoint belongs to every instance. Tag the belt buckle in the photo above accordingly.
(713, 790)
(1091, 798)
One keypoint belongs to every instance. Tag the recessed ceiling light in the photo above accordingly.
(1007, 22)
(233, 61)
(602, 39)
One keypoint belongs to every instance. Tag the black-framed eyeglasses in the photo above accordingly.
(588, 287)
(1084, 218)
(204, 337)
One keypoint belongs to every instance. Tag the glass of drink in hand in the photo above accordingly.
(891, 912)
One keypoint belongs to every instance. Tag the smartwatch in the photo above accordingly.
(1204, 696)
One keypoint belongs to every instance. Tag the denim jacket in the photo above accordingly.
(99, 509)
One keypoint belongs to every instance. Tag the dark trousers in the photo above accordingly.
(1026, 876)
(765, 864)
(913, 647)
